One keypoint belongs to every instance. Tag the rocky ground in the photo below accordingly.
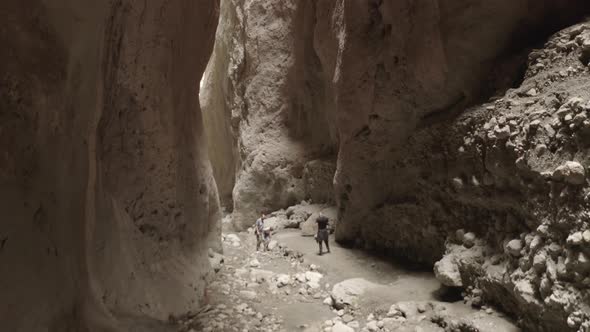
(291, 288)
(528, 153)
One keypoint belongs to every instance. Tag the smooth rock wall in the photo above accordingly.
(106, 190)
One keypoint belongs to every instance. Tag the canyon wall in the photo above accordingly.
(108, 200)
(265, 76)
(383, 83)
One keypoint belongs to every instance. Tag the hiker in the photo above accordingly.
(259, 231)
(266, 232)
(322, 235)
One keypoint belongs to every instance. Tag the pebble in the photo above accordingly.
(469, 239)
(254, 263)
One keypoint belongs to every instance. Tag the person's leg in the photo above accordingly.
(327, 244)
(258, 242)
(319, 239)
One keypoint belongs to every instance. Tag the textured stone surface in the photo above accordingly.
(105, 186)
(281, 124)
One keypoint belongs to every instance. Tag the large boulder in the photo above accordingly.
(347, 292)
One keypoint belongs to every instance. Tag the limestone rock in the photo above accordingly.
(571, 172)
(575, 239)
(447, 272)
(283, 280)
(514, 247)
(348, 291)
(340, 327)
(469, 239)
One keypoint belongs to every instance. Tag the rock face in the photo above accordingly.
(280, 118)
(106, 191)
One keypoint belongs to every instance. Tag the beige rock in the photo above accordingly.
(571, 172)
(103, 172)
(447, 272)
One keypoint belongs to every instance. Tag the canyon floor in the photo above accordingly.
(292, 288)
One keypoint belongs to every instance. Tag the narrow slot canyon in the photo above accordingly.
(446, 144)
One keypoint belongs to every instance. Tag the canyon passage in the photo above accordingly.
(446, 142)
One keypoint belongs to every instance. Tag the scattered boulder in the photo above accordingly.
(261, 275)
(514, 247)
(248, 295)
(348, 291)
(469, 239)
(283, 280)
(272, 244)
(575, 239)
(570, 172)
(340, 327)
(447, 272)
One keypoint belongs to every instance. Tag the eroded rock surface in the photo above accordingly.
(268, 80)
(107, 198)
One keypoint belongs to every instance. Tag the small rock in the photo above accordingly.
(421, 308)
(328, 301)
(272, 244)
(532, 92)
(339, 327)
(502, 132)
(447, 272)
(469, 240)
(586, 236)
(283, 280)
(249, 295)
(514, 247)
(539, 262)
(354, 324)
(347, 318)
(536, 243)
(254, 263)
(571, 172)
(575, 239)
